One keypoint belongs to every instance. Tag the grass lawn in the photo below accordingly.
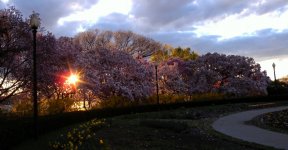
(182, 128)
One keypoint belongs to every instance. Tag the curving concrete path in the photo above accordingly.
(233, 125)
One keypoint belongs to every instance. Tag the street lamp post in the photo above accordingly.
(34, 24)
(273, 65)
(157, 87)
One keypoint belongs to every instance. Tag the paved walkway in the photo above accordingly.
(233, 125)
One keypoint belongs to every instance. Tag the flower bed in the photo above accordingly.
(74, 138)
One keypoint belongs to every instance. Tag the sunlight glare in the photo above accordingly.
(73, 79)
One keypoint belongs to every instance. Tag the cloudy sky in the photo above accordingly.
(254, 28)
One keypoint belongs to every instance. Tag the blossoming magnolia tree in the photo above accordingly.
(115, 73)
(240, 76)
(230, 75)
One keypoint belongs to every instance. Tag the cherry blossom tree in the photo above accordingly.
(115, 73)
(171, 77)
(240, 76)
(231, 75)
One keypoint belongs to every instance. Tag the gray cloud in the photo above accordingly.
(164, 19)
(50, 10)
(69, 29)
(172, 22)
(111, 22)
(2, 5)
(265, 44)
(184, 13)
(114, 21)
(177, 14)
(160, 12)
(269, 6)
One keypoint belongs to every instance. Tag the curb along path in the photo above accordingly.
(234, 125)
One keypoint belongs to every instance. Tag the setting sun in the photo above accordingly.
(73, 79)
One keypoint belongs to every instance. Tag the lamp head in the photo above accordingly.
(34, 21)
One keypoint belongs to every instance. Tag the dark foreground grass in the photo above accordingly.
(14, 130)
(182, 128)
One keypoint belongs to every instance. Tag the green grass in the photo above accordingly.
(182, 128)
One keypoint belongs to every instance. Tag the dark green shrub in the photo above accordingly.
(277, 88)
(55, 106)
(116, 102)
(23, 107)
(179, 98)
(207, 96)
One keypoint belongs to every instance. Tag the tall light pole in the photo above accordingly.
(157, 87)
(273, 65)
(34, 24)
